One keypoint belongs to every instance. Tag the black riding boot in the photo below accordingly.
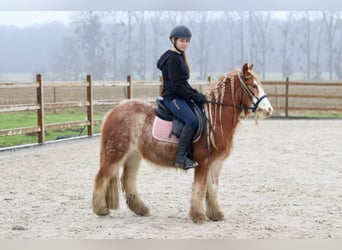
(184, 142)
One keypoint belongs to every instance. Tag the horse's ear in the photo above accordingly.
(244, 69)
(251, 67)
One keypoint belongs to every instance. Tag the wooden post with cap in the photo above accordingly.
(90, 110)
(287, 83)
(40, 110)
(129, 87)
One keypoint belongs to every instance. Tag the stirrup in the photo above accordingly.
(187, 164)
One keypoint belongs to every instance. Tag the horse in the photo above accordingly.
(126, 139)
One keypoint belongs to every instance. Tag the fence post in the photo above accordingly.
(129, 87)
(90, 106)
(161, 85)
(54, 98)
(287, 83)
(209, 81)
(40, 110)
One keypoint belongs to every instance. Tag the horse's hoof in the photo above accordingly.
(102, 211)
(144, 211)
(198, 218)
(219, 216)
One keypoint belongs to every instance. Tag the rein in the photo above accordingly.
(233, 105)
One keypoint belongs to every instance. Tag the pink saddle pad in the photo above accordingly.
(161, 130)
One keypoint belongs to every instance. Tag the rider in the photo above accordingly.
(177, 92)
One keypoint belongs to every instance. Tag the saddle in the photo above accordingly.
(167, 127)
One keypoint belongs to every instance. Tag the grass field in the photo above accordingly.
(20, 120)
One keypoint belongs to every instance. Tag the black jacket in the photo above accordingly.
(175, 77)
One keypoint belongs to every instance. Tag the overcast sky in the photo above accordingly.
(170, 5)
(27, 18)
(27, 12)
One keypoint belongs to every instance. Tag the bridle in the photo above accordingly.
(249, 93)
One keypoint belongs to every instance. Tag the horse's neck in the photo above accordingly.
(228, 122)
(224, 119)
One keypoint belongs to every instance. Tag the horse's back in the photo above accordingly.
(128, 111)
(122, 125)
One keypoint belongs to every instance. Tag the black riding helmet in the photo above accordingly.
(180, 31)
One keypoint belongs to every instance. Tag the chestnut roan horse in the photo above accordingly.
(127, 138)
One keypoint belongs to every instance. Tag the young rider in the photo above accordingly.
(177, 92)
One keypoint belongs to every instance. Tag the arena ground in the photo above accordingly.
(282, 181)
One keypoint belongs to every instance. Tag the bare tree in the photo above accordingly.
(90, 40)
(202, 44)
(140, 19)
(66, 60)
(234, 38)
(307, 34)
(331, 23)
(260, 22)
(115, 33)
(127, 57)
(225, 44)
(338, 56)
(174, 17)
(238, 33)
(285, 46)
(156, 32)
(317, 64)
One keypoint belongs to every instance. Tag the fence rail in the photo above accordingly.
(313, 85)
(41, 106)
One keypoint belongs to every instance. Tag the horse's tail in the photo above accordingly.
(106, 187)
(112, 194)
(106, 194)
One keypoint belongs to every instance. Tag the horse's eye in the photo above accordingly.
(254, 86)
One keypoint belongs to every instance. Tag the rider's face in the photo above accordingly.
(182, 43)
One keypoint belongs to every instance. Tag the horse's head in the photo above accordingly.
(253, 96)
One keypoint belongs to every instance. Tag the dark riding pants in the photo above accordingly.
(181, 109)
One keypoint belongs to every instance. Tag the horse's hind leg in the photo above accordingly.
(106, 195)
(129, 180)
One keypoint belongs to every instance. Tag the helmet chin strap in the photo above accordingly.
(175, 46)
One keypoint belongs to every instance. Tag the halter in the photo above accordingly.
(249, 93)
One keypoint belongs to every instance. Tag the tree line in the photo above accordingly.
(112, 44)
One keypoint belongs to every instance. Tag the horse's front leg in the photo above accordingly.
(199, 188)
(213, 209)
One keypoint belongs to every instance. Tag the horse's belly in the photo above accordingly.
(157, 152)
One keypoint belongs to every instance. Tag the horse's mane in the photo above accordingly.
(216, 92)
(222, 80)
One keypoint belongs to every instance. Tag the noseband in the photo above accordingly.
(249, 93)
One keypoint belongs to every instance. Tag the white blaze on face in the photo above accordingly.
(264, 105)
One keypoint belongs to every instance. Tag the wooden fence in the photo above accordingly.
(40, 107)
(281, 90)
(327, 95)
